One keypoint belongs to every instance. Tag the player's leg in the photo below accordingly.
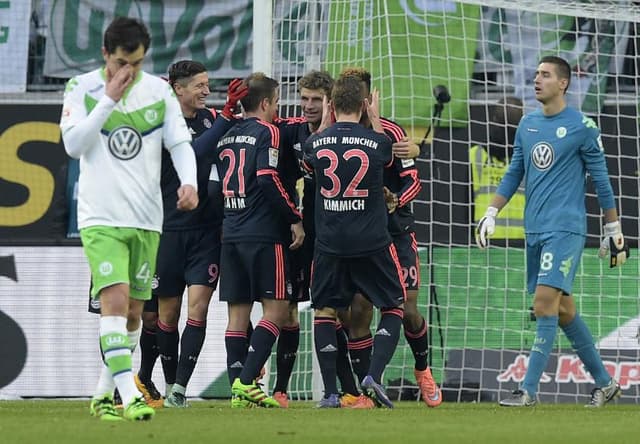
(414, 324)
(286, 352)
(380, 277)
(344, 370)
(360, 339)
(149, 353)
(607, 388)
(270, 271)
(545, 261)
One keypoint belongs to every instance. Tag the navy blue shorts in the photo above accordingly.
(407, 249)
(185, 258)
(334, 279)
(251, 271)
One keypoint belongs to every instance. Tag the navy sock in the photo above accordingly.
(149, 353)
(419, 345)
(190, 347)
(168, 339)
(236, 345)
(385, 341)
(326, 344)
(343, 364)
(286, 352)
(360, 352)
(262, 340)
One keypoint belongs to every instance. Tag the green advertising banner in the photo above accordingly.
(409, 48)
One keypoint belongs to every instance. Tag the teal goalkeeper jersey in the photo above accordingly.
(553, 154)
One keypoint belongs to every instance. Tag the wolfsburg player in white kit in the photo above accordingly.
(116, 120)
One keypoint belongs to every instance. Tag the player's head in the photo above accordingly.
(552, 79)
(125, 42)
(263, 98)
(312, 88)
(360, 73)
(504, 117)
(348, 96)
(190, 81)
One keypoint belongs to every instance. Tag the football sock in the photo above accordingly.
(148, 354)
(262, 340)
(419, 345)
(286, 352)
(385, 341)
(582, 342)
(236, 345)
(114, 344)
(168, 338)
(343, 364)
(360, 352)
(191, 345)
(325, 339)
(546, 327)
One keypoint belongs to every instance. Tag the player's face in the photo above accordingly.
(192, 95)
(122, 58)
(272, 106)
(311, 104)
(548, 86)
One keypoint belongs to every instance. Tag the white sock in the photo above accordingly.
(106, 384)
(134, 338)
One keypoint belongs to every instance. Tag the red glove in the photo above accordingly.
(236, 91)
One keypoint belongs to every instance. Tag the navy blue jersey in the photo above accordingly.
(205, 215)
(348, 160)
(402, 179)
(553, 155)
(256, 204)
(289, 166)
(293, 134)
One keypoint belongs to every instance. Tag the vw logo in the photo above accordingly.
(125, 142)
(542, 156)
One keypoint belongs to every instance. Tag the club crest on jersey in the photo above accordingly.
(206, 123)
(542, 156)
(561, 132)
(151, 115)
(125, 142)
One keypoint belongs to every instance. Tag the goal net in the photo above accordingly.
(480, 323)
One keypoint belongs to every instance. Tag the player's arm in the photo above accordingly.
(81, 131)
(613, 244)
(508, 186)
(205, 146)
(410, 182)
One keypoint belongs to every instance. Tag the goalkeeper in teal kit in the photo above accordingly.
(554, 148)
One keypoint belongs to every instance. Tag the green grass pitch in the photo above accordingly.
(56, 421)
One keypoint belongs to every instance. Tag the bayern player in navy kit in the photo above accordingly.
(189, 251)
(403, 182)
(554, 148)
(353, 250)
(260, 222)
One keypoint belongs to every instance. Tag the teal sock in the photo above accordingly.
(546, 327)
(582, 342)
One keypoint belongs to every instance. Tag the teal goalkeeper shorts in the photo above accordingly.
(553, 259)
(121, 256)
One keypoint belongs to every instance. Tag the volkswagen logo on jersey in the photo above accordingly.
(125, 142)
(542, 156)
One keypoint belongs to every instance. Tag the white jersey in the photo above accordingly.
(119, 183)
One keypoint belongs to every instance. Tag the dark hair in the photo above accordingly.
(563, 70)
(185, 69)
(317, 80)
(348, 94)
(126, 33)
(360, 73)
(260, 87)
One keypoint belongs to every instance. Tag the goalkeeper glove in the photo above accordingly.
(486, 227)
(236, 91)
(614, 242)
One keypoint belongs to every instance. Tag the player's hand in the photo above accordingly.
(614, 243)
(328, 118)
(486, 227)
(297, 235)
(187, 198)
(391, 199)
(237, 90)
(405, 149)
(118, 83)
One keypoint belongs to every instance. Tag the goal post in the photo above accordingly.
(475, 302)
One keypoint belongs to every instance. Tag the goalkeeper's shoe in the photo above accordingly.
(176, 400)
(376, 392)
(348, 400)
(282, 398)
(519, 398)
(330, 402)
(429, 390)
(601, 395)
(152, 396)
(138, 410)
(104, 409)
(253, 393)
